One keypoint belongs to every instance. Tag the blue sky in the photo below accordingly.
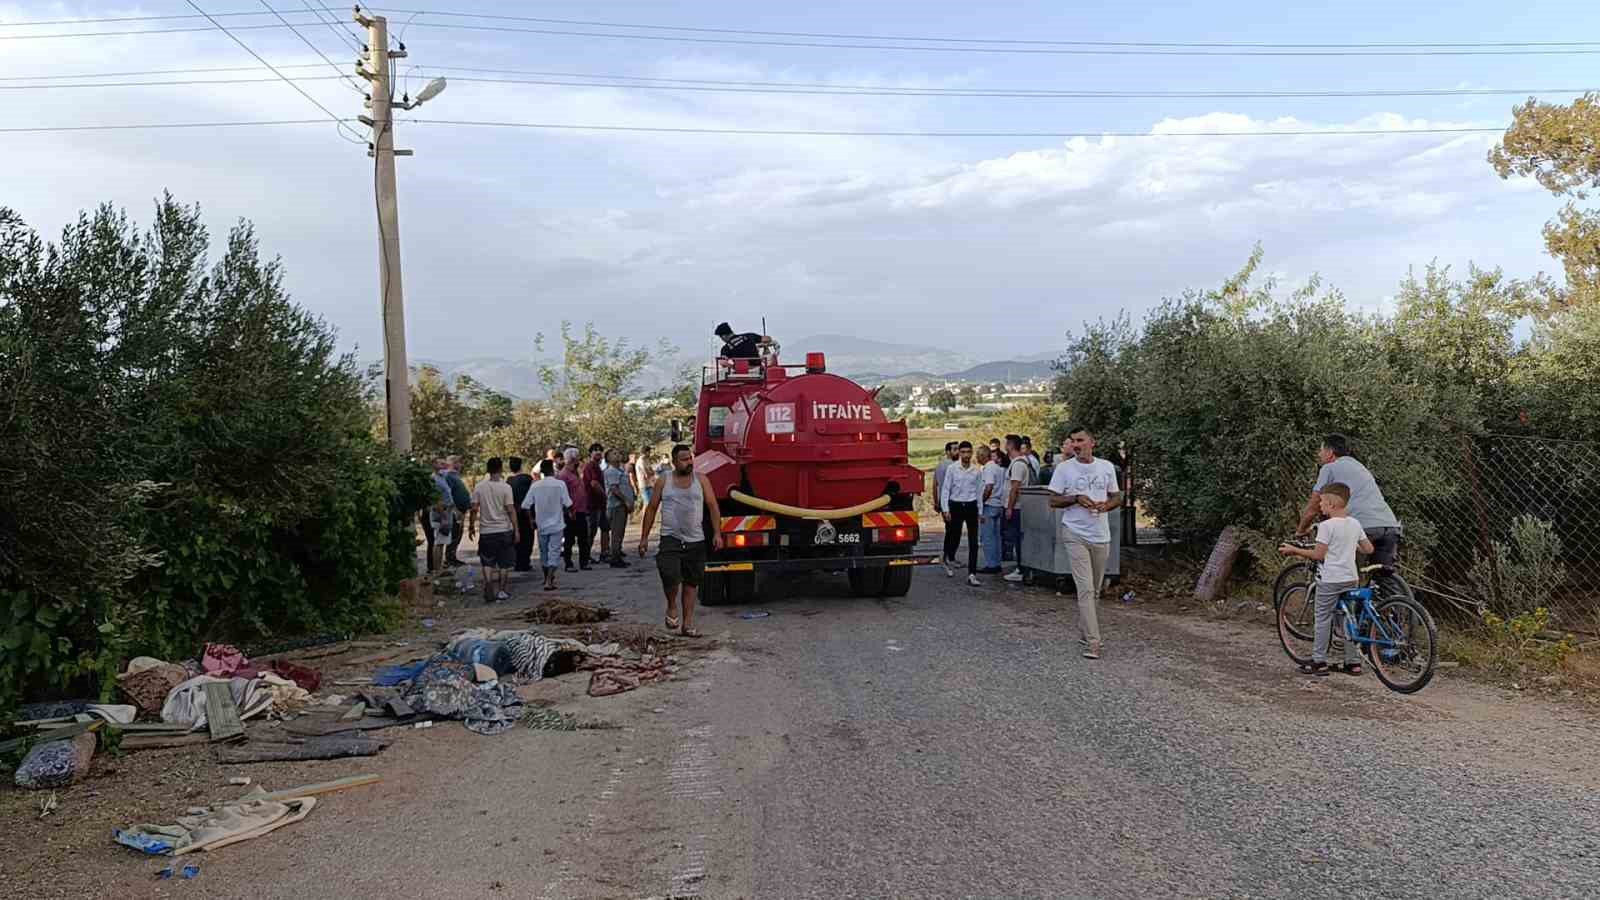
(997, 246)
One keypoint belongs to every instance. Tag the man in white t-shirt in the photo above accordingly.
(995, 491)
(495, 505)
(551, 503)
(1085, 489)
(1019, 474)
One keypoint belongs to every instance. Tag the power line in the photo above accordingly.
(776, 132)
(138, 72)
(838, 36)
(183, 83)
(354, 43)
(780, 132)
(350, 79)
(859, 91)
(355, 137)
(835, 36)
(1105, 49)
(773, 87)
(156, 126)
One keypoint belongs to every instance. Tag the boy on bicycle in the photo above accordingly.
(1338, 538)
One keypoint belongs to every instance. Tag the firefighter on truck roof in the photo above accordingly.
(739, 346)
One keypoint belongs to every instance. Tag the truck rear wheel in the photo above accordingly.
(897, 581)
(866, 582)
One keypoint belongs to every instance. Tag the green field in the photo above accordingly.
(927, 444)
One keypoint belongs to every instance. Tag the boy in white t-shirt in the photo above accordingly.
(1338, 538)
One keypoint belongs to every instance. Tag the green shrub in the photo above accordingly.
(1524, 573)
(186, 456)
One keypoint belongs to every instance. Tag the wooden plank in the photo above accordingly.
(317, 789)
(222, 716)
(65, 732)
(163, 741)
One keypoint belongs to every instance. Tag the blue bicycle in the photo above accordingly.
(1394, 631)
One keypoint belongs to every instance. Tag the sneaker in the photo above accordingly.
(585, 567)
(949, 572)
(973, 580)
(571, 567)
(502, 596)
(1092, 651)
(1014, 576)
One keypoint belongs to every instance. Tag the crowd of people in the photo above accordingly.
(977, 490)
(559, 509)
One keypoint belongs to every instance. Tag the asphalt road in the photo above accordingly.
(955, 744)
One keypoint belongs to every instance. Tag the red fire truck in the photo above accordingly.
(809, 475)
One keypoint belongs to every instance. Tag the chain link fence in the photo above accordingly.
(1492, 522)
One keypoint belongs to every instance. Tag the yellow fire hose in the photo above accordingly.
(800, 512)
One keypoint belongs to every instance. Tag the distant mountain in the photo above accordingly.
(863, 359)
(1007, 371)
(858, 357)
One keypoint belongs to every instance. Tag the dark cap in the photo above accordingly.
(723, 329)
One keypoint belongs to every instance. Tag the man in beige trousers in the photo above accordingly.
(1085, 488)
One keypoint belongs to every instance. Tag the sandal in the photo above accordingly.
(1351, 669)
(1318, 669)
(691, 633)
(671, 623)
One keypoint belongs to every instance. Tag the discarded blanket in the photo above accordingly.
(59, 709)
(148, 687)
(613, 675)
(306, 677)
(217, 827)
(526, 654)
(445, 689)
(226, 661)
(56, 763)
(187, 701)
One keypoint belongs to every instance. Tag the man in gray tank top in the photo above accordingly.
(681, 499)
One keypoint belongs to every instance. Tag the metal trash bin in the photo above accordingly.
(1042, 549)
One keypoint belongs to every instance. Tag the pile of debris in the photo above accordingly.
(471, 678)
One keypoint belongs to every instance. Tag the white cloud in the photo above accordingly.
(938, 241)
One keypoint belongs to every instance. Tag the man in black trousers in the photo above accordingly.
(520, 482)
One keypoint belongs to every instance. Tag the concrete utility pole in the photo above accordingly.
(391, 294)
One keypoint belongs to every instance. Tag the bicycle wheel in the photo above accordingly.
(1297, 622)
(1301, 575)
(1405, 645)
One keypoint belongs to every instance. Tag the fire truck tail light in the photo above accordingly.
(900, 535)
(747, 539)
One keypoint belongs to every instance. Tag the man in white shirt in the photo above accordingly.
(551, 504)
(495, 505)
(960, 493)
(938, 483)
(1085, 489)
(995, 491)
(1018, 476)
